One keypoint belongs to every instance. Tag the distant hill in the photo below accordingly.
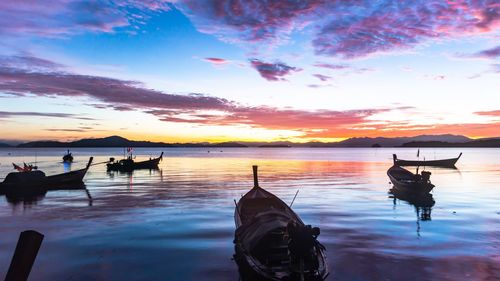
(392, 142)
(473, 143)
(274, 145)
(117, 141)
(4, 145)
(417, 141)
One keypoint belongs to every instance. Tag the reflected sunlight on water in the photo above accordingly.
(176, 223)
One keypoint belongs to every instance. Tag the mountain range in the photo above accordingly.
(446, 140)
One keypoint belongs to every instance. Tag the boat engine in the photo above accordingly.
(426, 175)
(301, 244)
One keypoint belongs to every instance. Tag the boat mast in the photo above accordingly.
(255, 177)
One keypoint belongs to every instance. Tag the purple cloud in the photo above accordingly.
(10, 114)
(391, 25)
(118, 94)
(193, 108)
(254, 20)
(347, 29)
(53, 18)
(331, 66)
(273, 71)
(322, 77)
(489, 54)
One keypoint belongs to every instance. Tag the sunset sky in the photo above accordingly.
(179, 71)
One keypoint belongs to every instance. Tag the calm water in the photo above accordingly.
(177, 223)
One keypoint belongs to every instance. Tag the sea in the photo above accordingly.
(177, 222)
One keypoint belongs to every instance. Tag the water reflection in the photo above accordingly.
(25, 200)
(113, 173)
(423, 204)
(67, 166)
(31, 200)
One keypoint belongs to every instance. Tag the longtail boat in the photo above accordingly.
(129, 164)
(272, 241)
(406, 181)
(72, 177)
(35, 182)
(68, 157)
(447, 163)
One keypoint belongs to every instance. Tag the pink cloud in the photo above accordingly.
(205, 110)
(273, 71)
(193, 108)
(216, 61)
(495, 113)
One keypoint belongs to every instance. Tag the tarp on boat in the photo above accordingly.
(251, 233)
(25, 178)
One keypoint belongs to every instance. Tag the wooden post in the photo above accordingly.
(24, 256)
(255, 177)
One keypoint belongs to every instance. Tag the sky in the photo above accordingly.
(213, 71)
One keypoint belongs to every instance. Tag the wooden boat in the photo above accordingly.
(23, 184)
(449, 163)
(129, 164)
(273, 242)
(408, 182)
(69, 178)
(33, 183)
(68, 158)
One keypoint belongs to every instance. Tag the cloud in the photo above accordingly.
(489, 54)
(193, 108)
(254, 20)
(10, 114)
(273, 71)
(216, 61)
(28, 62)
(331, 66)
(199, 109)
(322, 77)
(392, 25)
(118, 94)
(437, 77)
(348, 29)
(316, 86)
(494, 113)
(56, 18)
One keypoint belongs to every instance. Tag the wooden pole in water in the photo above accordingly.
(255, 177)
(24, 256)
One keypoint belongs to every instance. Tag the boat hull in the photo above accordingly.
(446, 163)
(33, 183)
(70, 178)
(260, 246)
(128, 165)
(403, 181)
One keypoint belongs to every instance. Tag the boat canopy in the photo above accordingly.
(251, 233)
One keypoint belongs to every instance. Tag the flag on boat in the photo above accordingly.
(26, 168)
(18, 168)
